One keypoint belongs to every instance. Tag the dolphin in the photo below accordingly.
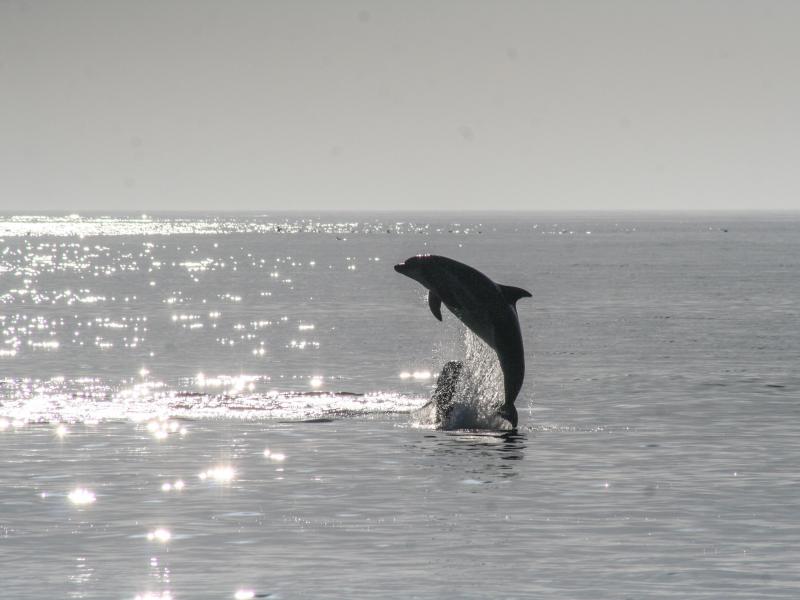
(487, 308)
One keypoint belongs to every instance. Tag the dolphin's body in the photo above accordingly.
(487, 308)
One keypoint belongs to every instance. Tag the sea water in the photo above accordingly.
(226, 406)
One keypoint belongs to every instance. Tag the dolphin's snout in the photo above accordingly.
(401, 268)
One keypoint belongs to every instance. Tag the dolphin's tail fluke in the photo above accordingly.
(509, 413)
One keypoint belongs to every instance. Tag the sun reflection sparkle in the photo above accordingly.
(159, 535)
(154, 596)
(168, 486)
(221, 474)
(275, 456)
(81, 496)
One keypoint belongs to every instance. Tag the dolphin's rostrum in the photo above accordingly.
(487, 308)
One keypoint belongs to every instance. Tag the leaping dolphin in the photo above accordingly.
(487, 308)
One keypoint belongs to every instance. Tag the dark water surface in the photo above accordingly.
(656, 457)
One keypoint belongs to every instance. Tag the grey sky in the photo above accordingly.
(146, 105)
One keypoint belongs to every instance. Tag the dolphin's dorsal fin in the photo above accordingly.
(435, 304)
(512, 294)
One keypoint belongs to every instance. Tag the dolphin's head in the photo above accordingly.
(414, 267)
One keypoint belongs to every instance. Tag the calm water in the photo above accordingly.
(155, 373)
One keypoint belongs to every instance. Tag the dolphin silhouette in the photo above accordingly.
(487, 308)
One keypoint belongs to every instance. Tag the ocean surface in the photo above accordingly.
(227, 407)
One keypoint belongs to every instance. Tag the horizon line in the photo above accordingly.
(253, 211)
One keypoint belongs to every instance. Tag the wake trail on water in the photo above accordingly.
(476, 394)
(143, 402)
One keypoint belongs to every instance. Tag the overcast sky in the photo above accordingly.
(145, 105)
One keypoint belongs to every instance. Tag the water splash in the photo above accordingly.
(479, 390)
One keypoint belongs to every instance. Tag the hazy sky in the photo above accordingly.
(146, 105)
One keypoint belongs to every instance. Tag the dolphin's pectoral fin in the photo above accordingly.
(435, 304)
(512, 294)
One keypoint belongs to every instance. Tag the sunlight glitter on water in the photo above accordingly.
(169, 486)
(81, 496)
(86, 400)
(161, 534)
(154, 596)
(161, 428)
(274, 456)
(221, 474)
(32, 226)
